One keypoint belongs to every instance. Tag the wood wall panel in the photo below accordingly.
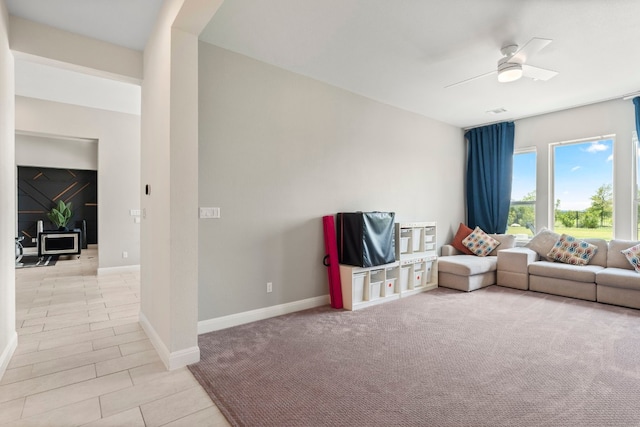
(39, 189)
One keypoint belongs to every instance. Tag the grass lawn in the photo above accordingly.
(581, 233)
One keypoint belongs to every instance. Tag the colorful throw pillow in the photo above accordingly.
(479, 242)
(570, 250)
(463, 231)
(633, 256)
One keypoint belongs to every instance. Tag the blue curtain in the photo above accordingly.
(489, 173)
(636, 102)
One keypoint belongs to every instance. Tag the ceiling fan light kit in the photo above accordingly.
(508, 71)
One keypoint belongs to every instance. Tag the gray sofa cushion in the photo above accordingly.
(577, 273)
(466, 265)
(543, 242)
(507, 241)
(600, 258)
(615, 258)
(619, 278)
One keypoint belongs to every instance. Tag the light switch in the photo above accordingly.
(209, 212)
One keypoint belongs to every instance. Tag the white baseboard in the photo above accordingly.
(7, 353)
(224, 322)
(119, 270)
(174, 360)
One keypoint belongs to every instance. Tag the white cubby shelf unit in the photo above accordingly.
(415, 269)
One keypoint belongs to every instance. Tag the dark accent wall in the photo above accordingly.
(39, 189)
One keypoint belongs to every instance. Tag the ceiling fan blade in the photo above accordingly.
(532, 47)
(471, 79)
(537, 73)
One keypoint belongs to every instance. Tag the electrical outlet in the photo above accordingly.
(269, 287)
(125, 254)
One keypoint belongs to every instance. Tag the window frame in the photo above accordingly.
(552, 168)
(528, 150)
(635, 158)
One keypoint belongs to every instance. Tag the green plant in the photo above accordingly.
(590, 220)
(60, 214)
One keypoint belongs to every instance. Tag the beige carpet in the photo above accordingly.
(493, 357)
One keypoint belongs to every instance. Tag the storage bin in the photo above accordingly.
(427, 274)
(374, 290)
(389, 286)
(417, 232)
(430, 247)
(404, 278)
(428, 238)
(358, 287)
(417, 278)
(376, 276)
(404, 245)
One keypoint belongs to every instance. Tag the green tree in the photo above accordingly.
(590, 220)
(566, 218)
(523, 211)
(602, 203)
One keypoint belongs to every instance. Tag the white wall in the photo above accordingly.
(612, 117)
(118, 137)
(8, 336)
(278, 151)
(61, 153)
(169, 166)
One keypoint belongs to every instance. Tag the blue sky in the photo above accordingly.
(580, 169)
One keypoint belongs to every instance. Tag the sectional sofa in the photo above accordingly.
(465, 272)
(607, 278)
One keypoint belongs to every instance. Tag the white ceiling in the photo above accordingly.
(126, 23)
(404, 52)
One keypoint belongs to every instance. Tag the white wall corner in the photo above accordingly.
(118, 270)
(7, 353)
(174, 360)
(224, 322)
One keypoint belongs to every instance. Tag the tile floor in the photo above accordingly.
(83, 359)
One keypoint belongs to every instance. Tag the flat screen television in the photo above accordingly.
(59, 243)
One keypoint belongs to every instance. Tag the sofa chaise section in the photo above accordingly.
(470, 272)
(465, 272)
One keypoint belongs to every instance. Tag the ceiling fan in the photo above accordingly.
(512, 66)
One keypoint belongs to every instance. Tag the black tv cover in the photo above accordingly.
(366, 239)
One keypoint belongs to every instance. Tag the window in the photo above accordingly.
(583, 188)
(522, 211)
(636, 190)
